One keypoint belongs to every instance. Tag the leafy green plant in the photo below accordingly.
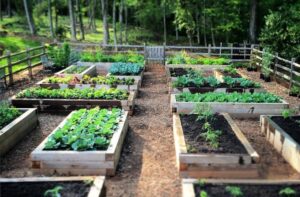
(87, 93)
(287, 192)
(203, 194)
(231, 70)
(60, 55)
(240, 82)
(7, 114)
(234, 191)
(125, 69)
(295, 90)
(75, 69)
(203, 112)
(201, 182)
(86, 130)
(287, 113)
(264, 97)
(55, 192)
(99, 56)
(210, 135)
(266, 62)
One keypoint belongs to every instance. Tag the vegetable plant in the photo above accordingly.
(75, 69)
(203, 194)
(287, 192)
(125, 69)
(55, 192)
(231, 70)
(87, 93)
(234, 191)
(295, 90)
(210, 135)
(203, 112)
(60, 55)
(86, 130)
(99, 56)
(7, 114)
(240, 82)
(266, 62)
(264, 97)
(287, 113)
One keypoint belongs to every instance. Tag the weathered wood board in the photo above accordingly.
(138, 78)
(12, 133)
(80, 162)
(91, 71)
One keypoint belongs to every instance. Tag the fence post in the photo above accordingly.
(231, 50)
(145, 53)
(164, 53)
(220, 49)
(9, 66)
(292, 70)
(29, 63)
(209, 50)
(275, 66)
(44, 49)
(244, 50)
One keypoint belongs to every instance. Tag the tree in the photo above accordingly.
(114, 22)
(29, 17)
(50, 18)
(121, 5)
(126, 21)
(104, 6)
(79, 12)
(8, 8)
(1, 10)
(165, 21)
(252, 27)
(92, 9)
(72, 19)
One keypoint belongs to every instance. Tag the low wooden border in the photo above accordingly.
(96, 190)
(224, 90)
(89, 71)
(245, 110)
(44, 104)
(12, 133)
(282, 141)
(189, 191)
(198, 66)
(219, 75)
(44, 84)
(198, 165)
(80, 162)
(137, 78)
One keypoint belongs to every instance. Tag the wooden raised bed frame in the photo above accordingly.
(91, 70)
(189, 191)
(44, 84)
(12, 133)
(81, 162)
(96, 190)
(282, 141)
(197, 165)
(137, 78)
(244, 110)
(42, 104)
(178, 90)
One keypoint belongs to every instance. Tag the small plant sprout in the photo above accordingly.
(203, 194)
(234, 191)
(204, 112)
(287, 113)
(201, 182)
(211, 136)
(88, 182)
(287, 192)
(55, 192)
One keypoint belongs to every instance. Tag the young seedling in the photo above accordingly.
(234, 191)
(287, 192)
(201, 182)
(203, 112)
(55, 192)
(287, 113)
(211, 136)
(203, 194)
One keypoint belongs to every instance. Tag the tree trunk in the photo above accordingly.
(56, 16)
(72, 20)
(176, 31)
(105, 22)
(114, 22)
(212, 33)
(197, 26)
(189, 34)
(1, 10)
(121, 20)
(126, 22)
(8, 8)
(165, 24)
(78, 2)
(204, 27)
(252, 27)
(29, 17)
(92, 8)
(50, 18)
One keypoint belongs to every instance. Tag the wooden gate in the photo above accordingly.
(155, 53)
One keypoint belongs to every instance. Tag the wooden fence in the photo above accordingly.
(281, 69)
(12, 64)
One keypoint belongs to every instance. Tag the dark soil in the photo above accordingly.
(289, 125)
(231, 75)
(37, 189)
(176, 72)
(228, 142)
(219, 190)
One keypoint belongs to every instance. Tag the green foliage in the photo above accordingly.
(234, 191)
(203, 112)
(55, 192)
(287, 192)
(125, 69)
(210, 135)
(87, 93)
(240, 82)
(185, 58)
(282, 31)
(130, 57)
(295, 90)
(203, 194)
(229, 97)
(201, 182)
(287, 113)
(7, 114)
(86, 130)
(266, 62)
(75, 69)
(60, 55)
(231, 70)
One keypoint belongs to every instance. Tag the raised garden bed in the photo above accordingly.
(220, 74)
(241, 109)
(284, 135)
(93, 82)
(81, 158)
(248, 188)
(38, 186)
(233, 158)
(173, 73)
(46, 102)
(13, 132)
(77, 71)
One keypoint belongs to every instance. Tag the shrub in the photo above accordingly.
(60, 55)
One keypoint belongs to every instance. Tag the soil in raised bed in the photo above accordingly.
(176, 72)
(231, 75)
(228, 142)
(37, 189)
(289, 125)
(219, 190)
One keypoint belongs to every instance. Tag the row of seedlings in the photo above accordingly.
(210, 145)
(88, 142)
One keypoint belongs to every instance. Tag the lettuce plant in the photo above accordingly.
(125, 69)
(7, 114)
